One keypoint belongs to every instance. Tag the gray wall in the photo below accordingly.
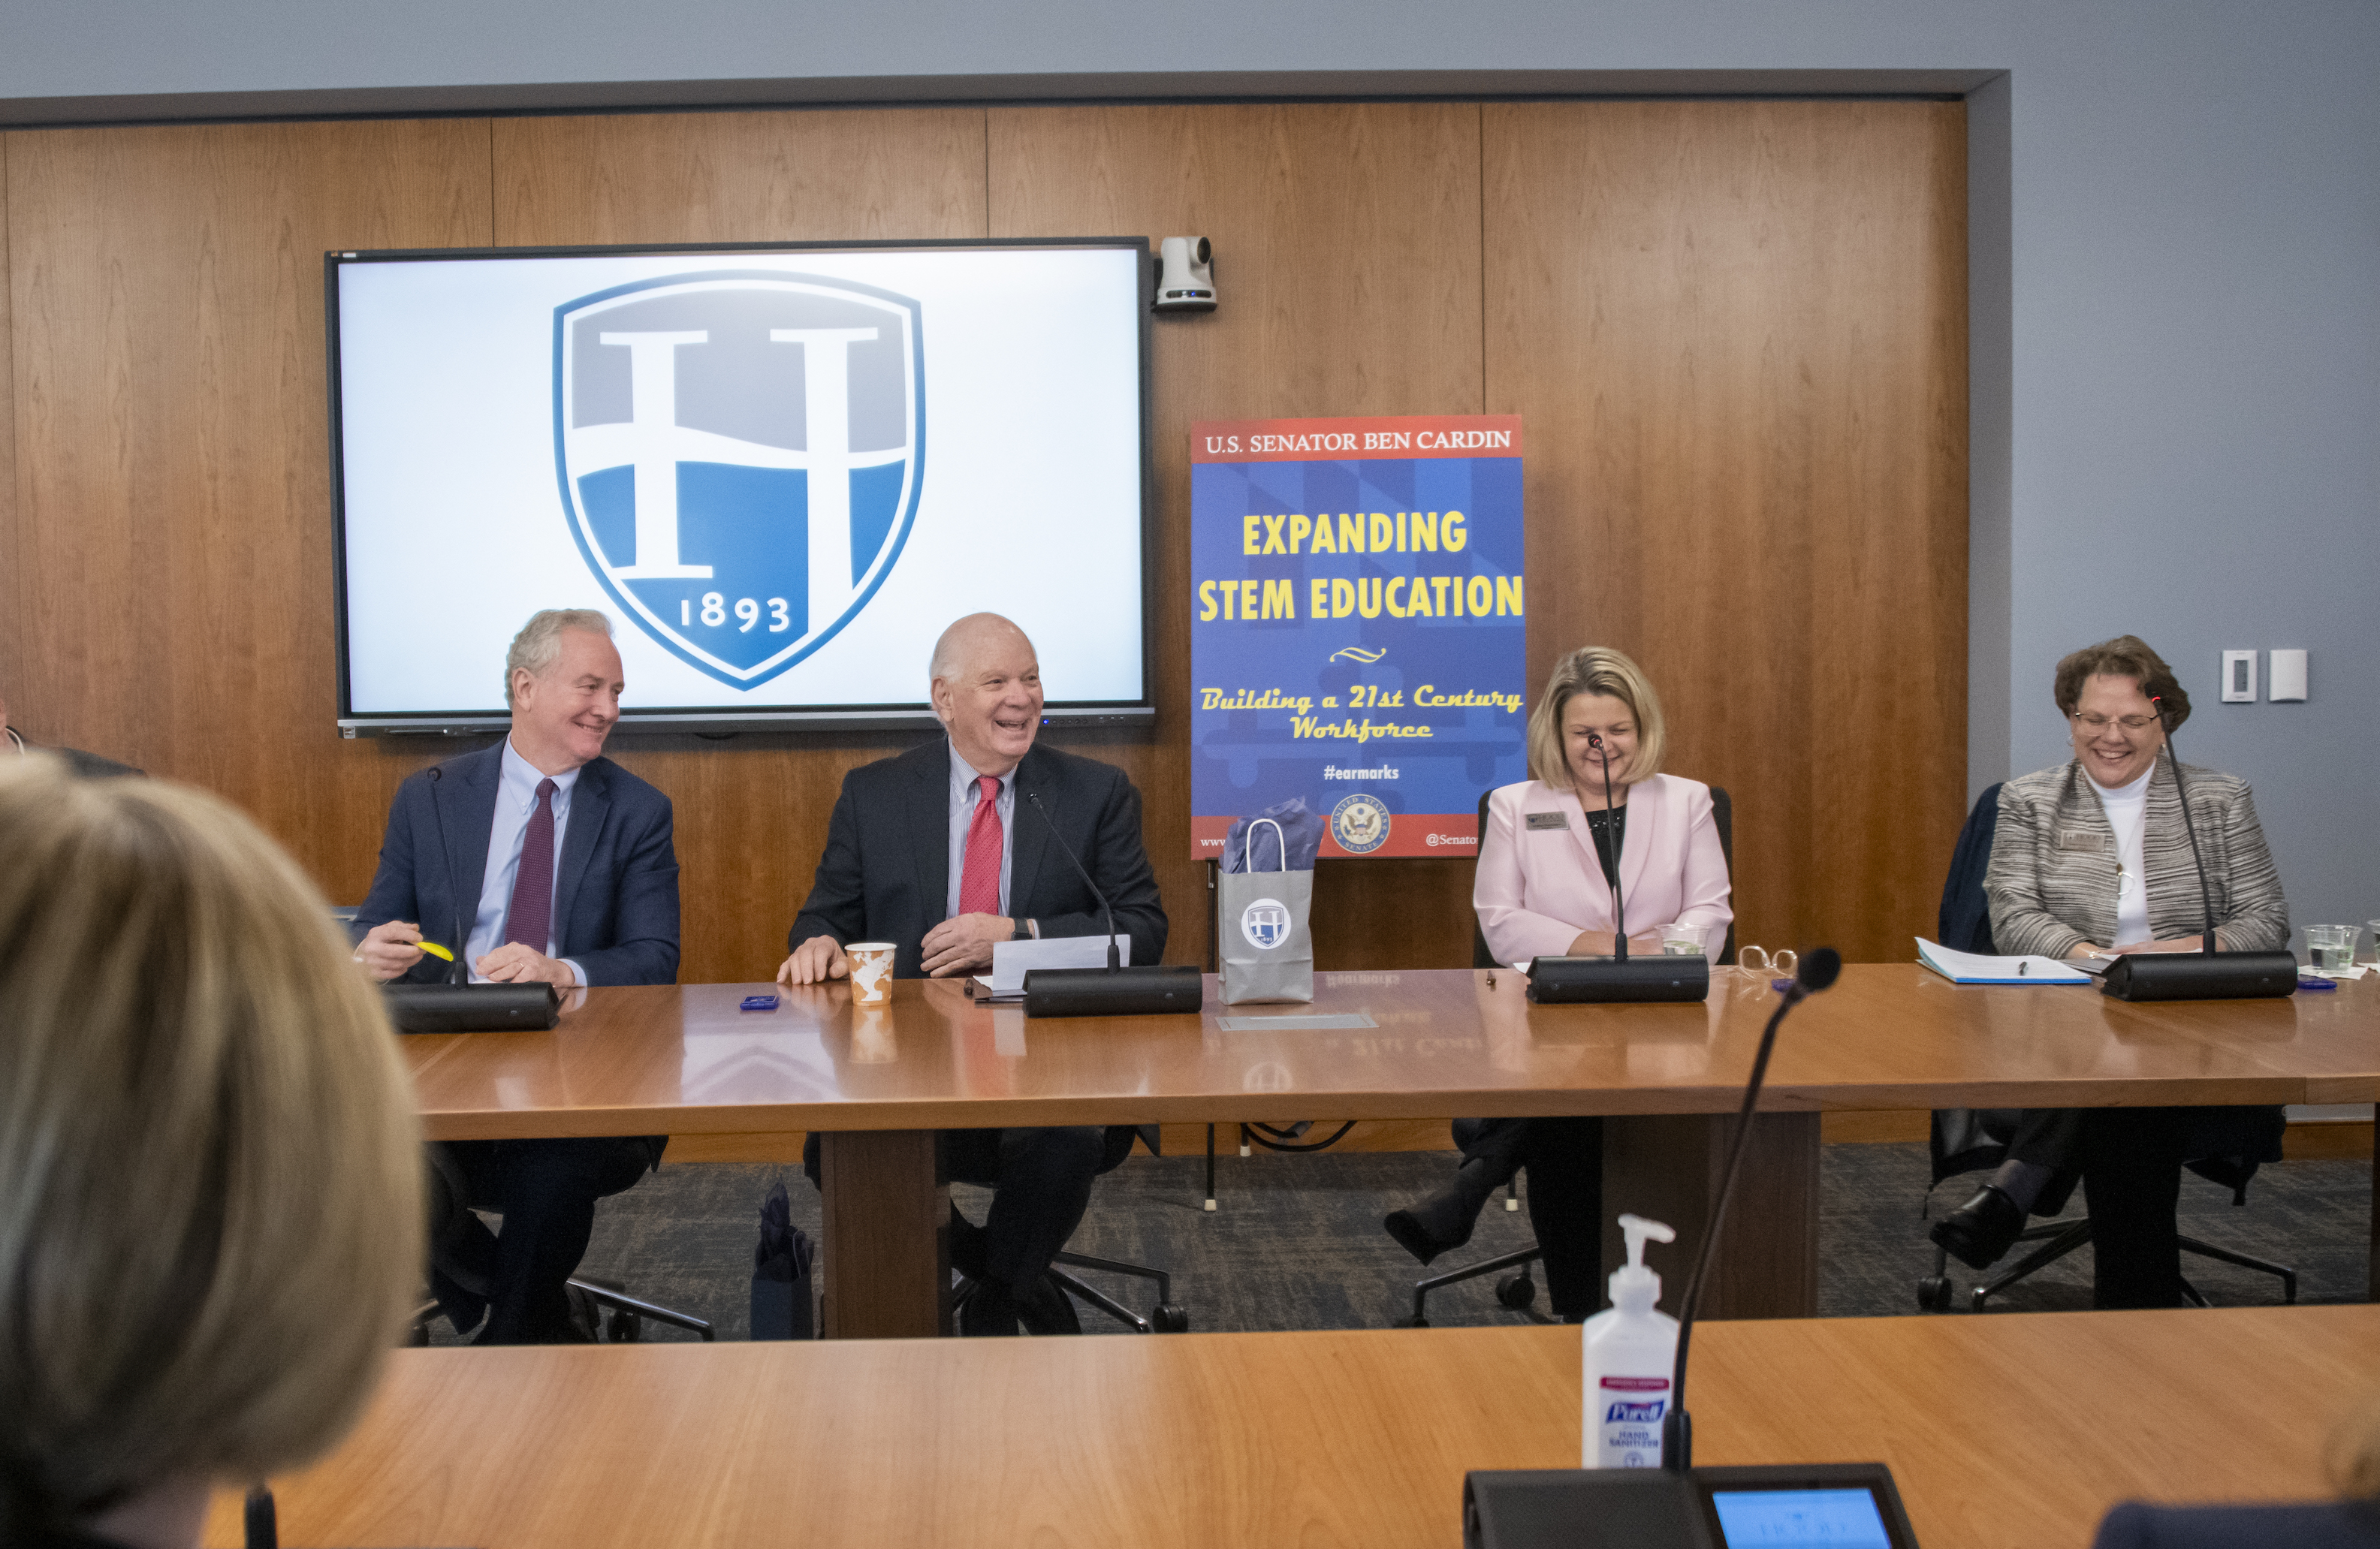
(2177, 246)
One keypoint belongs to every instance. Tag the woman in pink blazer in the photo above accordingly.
(1546, 861)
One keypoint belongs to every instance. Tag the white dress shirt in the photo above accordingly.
(964, 794)
(516, 799)
(2128, 813)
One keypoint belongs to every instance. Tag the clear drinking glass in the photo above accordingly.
(2331, 946)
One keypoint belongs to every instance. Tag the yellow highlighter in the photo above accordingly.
(434, 949)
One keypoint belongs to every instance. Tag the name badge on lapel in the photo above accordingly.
(2087, 845)
(1549, 820)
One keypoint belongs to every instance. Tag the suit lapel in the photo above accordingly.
(591, 802)
(466, 815)
(1029, 832)
(929, 829)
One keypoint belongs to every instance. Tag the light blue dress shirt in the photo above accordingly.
(964, 794)
(516, 799)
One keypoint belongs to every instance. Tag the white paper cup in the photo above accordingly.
(871, 972)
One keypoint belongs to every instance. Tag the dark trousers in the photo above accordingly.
(546, 1191)
(1565, 1160)
(2131, 1160)
(1041, 1184)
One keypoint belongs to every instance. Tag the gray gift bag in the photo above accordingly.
(1261, 921)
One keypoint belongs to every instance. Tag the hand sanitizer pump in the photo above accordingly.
(1629, 1351)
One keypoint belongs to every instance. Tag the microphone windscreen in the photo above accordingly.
(1819, 968)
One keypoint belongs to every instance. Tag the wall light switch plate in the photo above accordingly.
(2238, 677)
(2289, 680)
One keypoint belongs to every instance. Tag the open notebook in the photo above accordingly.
(1973, 968)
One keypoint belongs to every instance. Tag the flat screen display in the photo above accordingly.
(780, 470)
(1822, 1518)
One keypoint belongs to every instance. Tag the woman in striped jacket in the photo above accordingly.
(2092, 859)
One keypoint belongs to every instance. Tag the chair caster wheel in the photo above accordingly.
(1934, 1294)
(1169, 1318)
(1516, 1291)
(622, 1328)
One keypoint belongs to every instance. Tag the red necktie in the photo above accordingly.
(529, 921)
(980, 883)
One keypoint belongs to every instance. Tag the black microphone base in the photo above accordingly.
(1153, 990)
(1654, 1508)
(1559, 981)
(473, 1008)
(2199, 976)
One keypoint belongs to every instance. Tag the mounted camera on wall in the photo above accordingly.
(1185, 275)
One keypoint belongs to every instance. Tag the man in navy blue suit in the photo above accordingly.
(535, 861)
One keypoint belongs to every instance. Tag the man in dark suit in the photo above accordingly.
(90, 766)
(535, 861)
(934, 852)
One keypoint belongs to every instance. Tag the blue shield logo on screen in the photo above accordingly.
(740, 455)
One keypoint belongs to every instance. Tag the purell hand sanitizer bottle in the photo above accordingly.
(1630, 1349)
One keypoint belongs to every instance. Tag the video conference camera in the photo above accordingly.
(1185, 275)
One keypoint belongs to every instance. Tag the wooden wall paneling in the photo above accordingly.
(1736, 333)
(873, 174)
(751, 810)
(1347, 255)
(174, 517)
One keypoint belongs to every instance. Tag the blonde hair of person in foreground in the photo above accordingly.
(211, 1222)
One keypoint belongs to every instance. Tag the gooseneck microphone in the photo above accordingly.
(1115, 963)
(2181, 793)
(1116, 990)
(2209, 973)
(1817, 971)
(1678, 1506)
(1606, 856)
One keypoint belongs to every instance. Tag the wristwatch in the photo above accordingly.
(1027, 930)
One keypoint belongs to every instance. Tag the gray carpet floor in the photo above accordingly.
(1298, 1243)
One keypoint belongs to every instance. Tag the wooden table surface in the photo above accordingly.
(681, 1059)
(2001, 1431)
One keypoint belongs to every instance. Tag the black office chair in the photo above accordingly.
(1519, 1291)
(1976, 1140)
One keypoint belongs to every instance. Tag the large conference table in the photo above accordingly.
(878, 1083)
(1999, 1431)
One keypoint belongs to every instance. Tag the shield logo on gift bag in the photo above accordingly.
(1265, 922)
(740, 455)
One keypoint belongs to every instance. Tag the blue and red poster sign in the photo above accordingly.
(1356, 634)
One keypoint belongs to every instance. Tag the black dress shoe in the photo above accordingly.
(988, 1313)
(1046, 1309)
(1979, 1233)
(1412, 1234)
